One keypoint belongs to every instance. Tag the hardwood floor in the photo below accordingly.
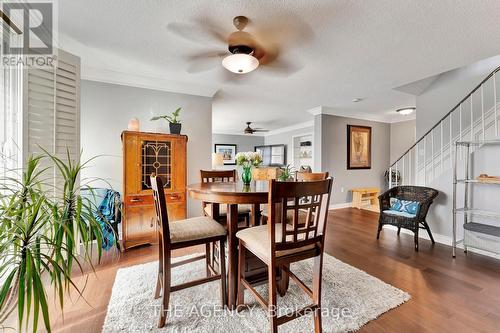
(461, 295)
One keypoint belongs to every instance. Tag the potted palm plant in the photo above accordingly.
(174, 123)
(45, 233)
(286, 173)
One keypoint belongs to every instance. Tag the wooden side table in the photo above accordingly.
(365, 198)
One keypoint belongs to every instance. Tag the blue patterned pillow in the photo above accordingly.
(406, 206)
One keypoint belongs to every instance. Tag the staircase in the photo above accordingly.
(474, 118)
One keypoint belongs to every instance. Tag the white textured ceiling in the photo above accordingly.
(347, 49)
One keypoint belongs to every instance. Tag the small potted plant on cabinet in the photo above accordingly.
(174, 123)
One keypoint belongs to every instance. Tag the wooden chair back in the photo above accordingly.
(302, 176)
(266, 173)
(288, 196)
(213, 176)
(161, 214)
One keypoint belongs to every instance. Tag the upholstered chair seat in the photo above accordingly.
(195, 228)
(242, 209)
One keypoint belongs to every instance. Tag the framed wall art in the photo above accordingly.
(228, 152)
(359, 147)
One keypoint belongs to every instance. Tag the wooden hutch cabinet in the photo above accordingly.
(144, 154)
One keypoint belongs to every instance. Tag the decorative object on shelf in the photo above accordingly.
(395, 177)
(481, 227)
(134, 125)
(174, 123)
(37, 247)
(306, 144)
(305, 168)
(286, 173)
(228, 152)
(484, 178)
(247, 160)
(359, 147)
(217, 161)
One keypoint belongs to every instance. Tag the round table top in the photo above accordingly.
(230, 192)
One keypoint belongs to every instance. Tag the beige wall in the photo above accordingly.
(106, 110)
(334, 155)
(402, 137)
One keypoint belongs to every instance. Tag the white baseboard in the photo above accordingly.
(340, 205)
(442, 239)
(438, 238)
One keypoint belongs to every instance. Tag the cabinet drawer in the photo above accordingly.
(139, 200)
(146, 200)
(175, 197)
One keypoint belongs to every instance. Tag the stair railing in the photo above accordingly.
(417, 165)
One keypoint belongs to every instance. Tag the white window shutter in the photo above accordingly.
(51, 110)
(67, 106)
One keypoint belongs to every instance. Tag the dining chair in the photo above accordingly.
(222, 176)
(279, 244)
(300, 176)
(303, 176)
(182, 234)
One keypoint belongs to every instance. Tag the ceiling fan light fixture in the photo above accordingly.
(406, 111)
(240, 63)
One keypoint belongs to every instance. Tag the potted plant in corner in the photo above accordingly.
(174, 123)
(286, 173)
(44, 239)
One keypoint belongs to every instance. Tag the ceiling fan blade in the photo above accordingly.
(213, 28)
(260, 130)
(204, 61)
(195, 33)
(282, 67)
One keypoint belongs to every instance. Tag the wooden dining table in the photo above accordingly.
(232, 194)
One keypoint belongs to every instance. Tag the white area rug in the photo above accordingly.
(351, 298)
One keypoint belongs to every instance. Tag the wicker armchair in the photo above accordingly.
(424, 195)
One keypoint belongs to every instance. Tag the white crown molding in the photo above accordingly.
(359, 115)
(315, 111)
(99, 65)
(147, 82)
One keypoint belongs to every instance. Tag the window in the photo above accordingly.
(51, 111)
(10, 122)
(272, 155)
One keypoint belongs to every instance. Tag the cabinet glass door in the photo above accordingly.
(156, 158)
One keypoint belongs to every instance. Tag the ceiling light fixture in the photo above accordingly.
(241, 60)
(406, 111)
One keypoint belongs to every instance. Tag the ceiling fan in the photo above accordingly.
(250, 130)
(245, 51)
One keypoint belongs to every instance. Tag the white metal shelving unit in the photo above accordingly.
(477, 235)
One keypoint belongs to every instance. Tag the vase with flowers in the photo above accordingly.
(247, 160)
